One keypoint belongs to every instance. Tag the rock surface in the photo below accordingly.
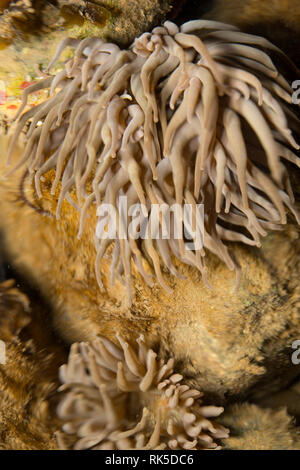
(28, 378)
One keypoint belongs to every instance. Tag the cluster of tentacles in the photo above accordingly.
(118, 397)
(197, 114)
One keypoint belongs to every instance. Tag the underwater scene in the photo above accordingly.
(149, 227)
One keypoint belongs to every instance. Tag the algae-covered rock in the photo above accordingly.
(255, 428)
(28, 373)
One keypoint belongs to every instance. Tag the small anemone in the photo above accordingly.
(118, 397)
(196, 114)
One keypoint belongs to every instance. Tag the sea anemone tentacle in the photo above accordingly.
(121, 397)
(196, 114)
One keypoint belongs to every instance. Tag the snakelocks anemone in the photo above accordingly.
(197, 114)
(116, 397)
